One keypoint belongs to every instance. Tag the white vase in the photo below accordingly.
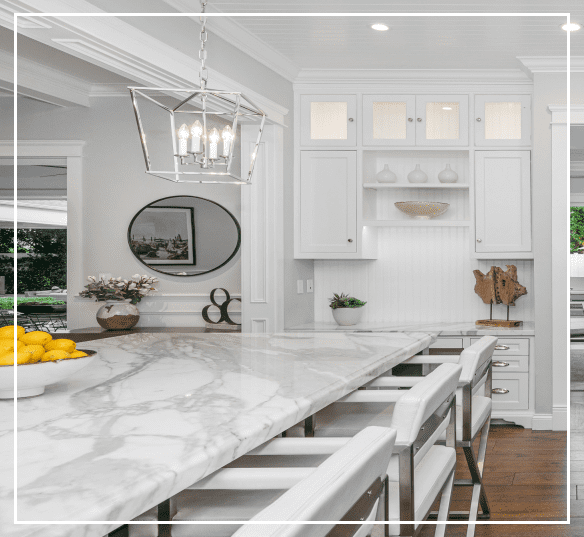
(118, 315)
(447, 175)
(417, 175)
(386, 175)
(348, 316)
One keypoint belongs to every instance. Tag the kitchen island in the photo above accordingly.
(156, 412)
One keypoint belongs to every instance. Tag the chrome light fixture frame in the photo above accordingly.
(238, 105)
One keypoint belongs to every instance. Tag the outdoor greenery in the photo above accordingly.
(576, 230)
(7, 303)
(44, 266)
(345, 301)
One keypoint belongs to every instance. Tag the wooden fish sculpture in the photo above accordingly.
(499, 286)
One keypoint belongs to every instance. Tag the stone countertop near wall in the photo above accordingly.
(156, 412)
(441, 329)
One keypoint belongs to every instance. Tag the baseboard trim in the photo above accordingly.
(560, 418)
(542, 422)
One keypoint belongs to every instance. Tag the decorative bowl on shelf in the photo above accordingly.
(32, 378)
(422, 210)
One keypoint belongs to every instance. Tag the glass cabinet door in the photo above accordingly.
(389, 120)
(442, 120)
(328, 120)
(502, 120)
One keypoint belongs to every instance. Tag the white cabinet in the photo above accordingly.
(328, 120)
(502, 120)
(502, 202)
(415, 120)
(389, 120)
(327, 216)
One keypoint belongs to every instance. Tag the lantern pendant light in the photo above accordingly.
(201, 153)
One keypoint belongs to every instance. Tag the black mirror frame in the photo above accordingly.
(237, 247)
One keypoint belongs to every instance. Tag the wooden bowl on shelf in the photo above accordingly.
(422, 210)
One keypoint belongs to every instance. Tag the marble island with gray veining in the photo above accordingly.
(441, 329)
(154, 413)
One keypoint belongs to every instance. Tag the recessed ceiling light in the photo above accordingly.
(572, 27)
(447, 108)
(380, 27)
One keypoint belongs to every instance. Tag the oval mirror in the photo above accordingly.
(184, 236)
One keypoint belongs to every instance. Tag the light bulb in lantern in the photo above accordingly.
(214, 140)
(196, 131)
(183, 136)
(227, 135)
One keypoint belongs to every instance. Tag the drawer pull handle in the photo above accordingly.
(500, 390)
(501, 347)
(410, 119)
(500, 364)
(420, 119)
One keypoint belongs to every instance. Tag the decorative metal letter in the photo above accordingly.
(222, 308)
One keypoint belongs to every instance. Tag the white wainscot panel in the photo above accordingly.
(168, 310)
(422, 275)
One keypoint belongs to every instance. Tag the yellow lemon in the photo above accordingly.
(36, 338)
(8, 332)
(7, 345)
(55, 355)
(60, 345)
(7, 358)
(24, 357)
(37, 352)
(78, 354)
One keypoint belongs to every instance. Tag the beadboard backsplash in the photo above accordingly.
(422, 274)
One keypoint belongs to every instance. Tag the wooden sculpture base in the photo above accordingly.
(498, 323)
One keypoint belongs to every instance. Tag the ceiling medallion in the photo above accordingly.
(196, 150)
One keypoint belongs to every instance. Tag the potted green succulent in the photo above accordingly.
(347, 310)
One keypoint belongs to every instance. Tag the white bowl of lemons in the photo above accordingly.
(42, 361)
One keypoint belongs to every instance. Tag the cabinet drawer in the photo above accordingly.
(516, 364)
(447, 343)
(517, 347)
(517, 396)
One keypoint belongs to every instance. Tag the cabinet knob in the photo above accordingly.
(410, 119)
(479, 119)
(500, 391)
(501, 347)
(350, 120)
(479, 240)
(350, 240)
(500, 364)
(420, 119)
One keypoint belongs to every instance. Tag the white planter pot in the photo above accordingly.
(348, 316)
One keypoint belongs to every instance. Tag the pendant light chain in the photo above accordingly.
(203, 75)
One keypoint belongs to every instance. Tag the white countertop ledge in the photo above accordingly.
(154, 413)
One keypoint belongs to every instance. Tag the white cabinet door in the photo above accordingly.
(328, 120)
(442, 120)
(328, 202)
(502, 120)
(389, 120)
(502, 201)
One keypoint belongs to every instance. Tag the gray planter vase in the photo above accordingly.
(348, 316)
(118, 315)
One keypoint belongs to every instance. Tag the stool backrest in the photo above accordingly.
(476, 361)
(333, 491)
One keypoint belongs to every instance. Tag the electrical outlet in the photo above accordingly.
(310, 286)
(300, 286)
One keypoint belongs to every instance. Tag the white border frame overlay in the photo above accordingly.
(118, 523)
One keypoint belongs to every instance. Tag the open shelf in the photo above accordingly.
(383, 186)
(416, 223)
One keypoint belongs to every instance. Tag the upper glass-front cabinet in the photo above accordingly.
(442, 120)
(502, 120)
(415, 120)
(328, 120)
(389, 120)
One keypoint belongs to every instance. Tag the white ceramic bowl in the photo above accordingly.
(32, 378)
(422, 210)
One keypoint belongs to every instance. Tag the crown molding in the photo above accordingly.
(235, 34)
(7, 19)
(412, 76)
(552, 64)
(42, 148)
(37, 81)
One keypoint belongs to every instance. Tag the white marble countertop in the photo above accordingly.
(441, 329)
(154, 413)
